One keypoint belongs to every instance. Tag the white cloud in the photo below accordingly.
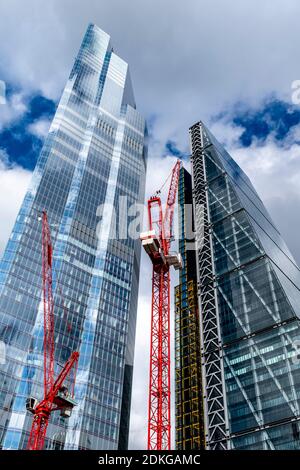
(4, 159)
(186, 62)
(13, 108)
(275, 174)
(226, 134)
(2, 92)
(39, 128)
(13, 183)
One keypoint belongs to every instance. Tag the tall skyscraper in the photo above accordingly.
(188, 380)
(249, 298)
(92, 165)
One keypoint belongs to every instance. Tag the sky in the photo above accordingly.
(231, 64)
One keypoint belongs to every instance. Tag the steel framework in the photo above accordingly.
(216, 420)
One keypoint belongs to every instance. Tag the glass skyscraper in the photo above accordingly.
(90, 173)
(249, 304)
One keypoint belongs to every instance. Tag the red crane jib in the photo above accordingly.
(157, 245)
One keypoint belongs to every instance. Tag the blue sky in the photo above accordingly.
(18, 139)
(228, 63)
(273, 117)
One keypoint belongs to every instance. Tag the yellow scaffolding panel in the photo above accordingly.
(189, 402)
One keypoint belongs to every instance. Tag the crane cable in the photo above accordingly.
(164, 184)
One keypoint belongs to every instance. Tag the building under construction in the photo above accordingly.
(236, 312)
(249, 295)
(188, 386)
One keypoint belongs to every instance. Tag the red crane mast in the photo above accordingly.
(157, 245)
(56, 396)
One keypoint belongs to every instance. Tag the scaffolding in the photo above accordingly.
(189, 404)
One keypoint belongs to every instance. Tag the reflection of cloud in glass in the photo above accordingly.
(2, 353)
(2, 92)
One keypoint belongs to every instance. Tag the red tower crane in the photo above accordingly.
(56, 395)
(156, 242)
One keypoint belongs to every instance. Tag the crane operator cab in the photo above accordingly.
(31, 403)
(64, 402)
